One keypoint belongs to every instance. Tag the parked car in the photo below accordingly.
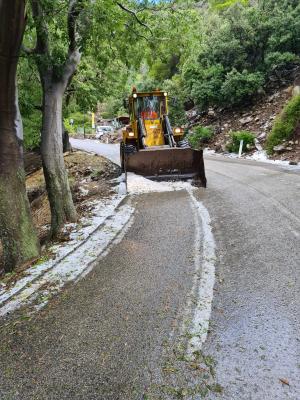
(102, 130)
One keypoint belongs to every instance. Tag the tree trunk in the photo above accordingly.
(56, 177)
(54, 87)
(17, 234)
(66, 140)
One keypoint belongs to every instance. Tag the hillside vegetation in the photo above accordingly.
(285, 125)
(207, 54)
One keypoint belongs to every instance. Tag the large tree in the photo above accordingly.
(56, 71)
(63, 30)
(17, 234)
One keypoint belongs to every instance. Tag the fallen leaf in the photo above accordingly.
(284, 381)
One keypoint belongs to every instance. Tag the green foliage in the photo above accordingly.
(222, 4)
(30, 99)
(222, 55)
(176, 101)
(238, 87)
(32, 130)
(80, 121)
(114, 106)
(239, 50)
(200, 135)
(285, 124)
(107, 36)
(236, 138)
(276, 61)
(204, 84)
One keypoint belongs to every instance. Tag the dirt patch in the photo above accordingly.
(32, 162)
(90, 178)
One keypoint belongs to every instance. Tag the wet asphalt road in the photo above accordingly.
(104, 338)
(111, 336)
(255, 326)
(110, 151)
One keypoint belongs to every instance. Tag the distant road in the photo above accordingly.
(110, 151)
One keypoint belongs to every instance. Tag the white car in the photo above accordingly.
(101, 130)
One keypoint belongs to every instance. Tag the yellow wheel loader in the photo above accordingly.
(150, 146)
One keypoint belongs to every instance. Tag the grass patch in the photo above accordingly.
(285, 124)
(236, 137)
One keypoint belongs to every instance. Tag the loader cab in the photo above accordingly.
(150, 107)
(148, 111)
(149, 122)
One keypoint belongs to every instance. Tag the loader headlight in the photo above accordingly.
(177, 130)
(131, 134)
(165, 94)
(134, 95)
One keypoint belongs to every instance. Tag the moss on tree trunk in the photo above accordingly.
(17, 234)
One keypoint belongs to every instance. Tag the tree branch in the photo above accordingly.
(137, 34)
(42, 41)
(74, 55)
(134, 14)
(75, 8)
(156, 9)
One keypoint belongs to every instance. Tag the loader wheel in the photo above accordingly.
(125, 151)
(184, 144)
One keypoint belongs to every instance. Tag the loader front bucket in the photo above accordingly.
(167, 163)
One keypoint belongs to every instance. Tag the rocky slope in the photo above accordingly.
(257, 118)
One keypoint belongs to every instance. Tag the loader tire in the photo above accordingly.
(184, 144)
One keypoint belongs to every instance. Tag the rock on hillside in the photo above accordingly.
(257, 118)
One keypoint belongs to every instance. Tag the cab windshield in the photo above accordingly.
(150, 107)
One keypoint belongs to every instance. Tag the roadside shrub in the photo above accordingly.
(199, 136)
(241, 86)
(204, 84)
(285, 124)
(236, 137)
